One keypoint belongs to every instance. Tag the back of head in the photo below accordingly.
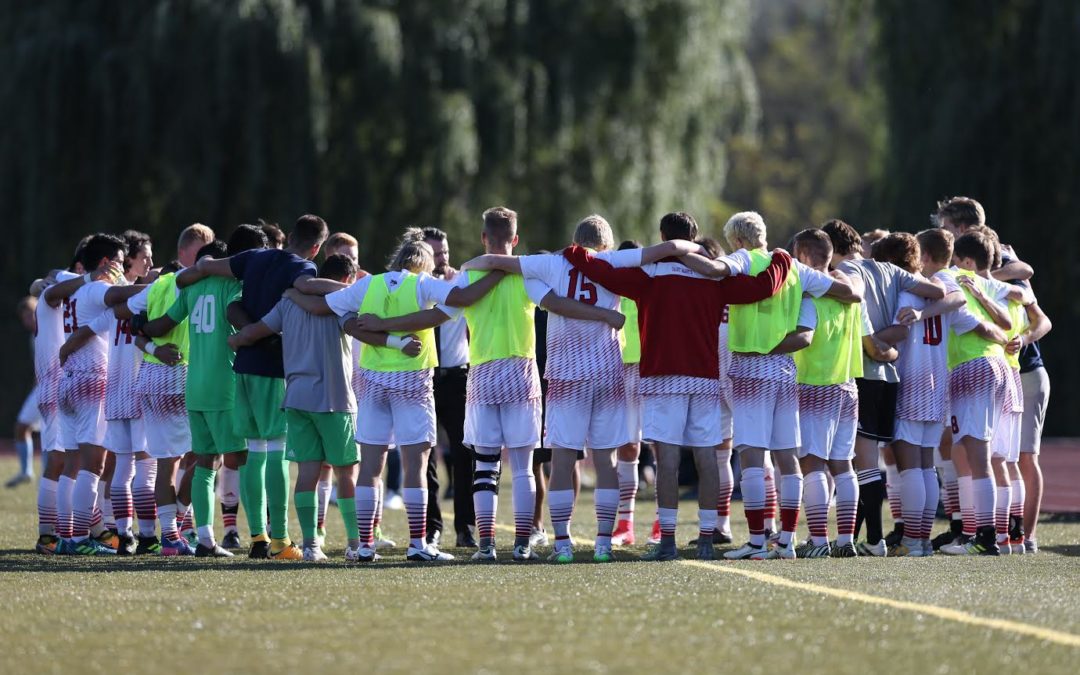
(215, 249)
(246, 237)
(713, 248)
(171, 267)
(747, 227)
(594, 232)
(815, 245)
(629, 244)
(937, 244)
(309, 232)
(338, 267)
(338, 240)
(197, 233)
(961, 212)
(977, 247)
(678, 225)
(102, 246)
(413, 254)
(275, 238)
(995, 242)
(79, 249)
(901, 249)
(500, 225)
(845, 240)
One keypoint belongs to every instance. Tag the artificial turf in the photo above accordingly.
(142, 614)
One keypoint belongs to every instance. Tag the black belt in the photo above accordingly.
(452, 370)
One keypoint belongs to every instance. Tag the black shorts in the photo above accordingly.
(877, 409)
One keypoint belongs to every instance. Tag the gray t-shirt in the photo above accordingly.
(318, 359)
(884, 283)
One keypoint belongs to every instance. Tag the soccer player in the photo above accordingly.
(586, 405)
(396, 400)
(82, 394)
(680, 311)
(260, 381)
(883, 283)
(630, 453)
(978, 386)
(29, 418)
(319, 404)
(828, 401)
(503, 392)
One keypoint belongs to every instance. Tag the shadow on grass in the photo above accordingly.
(1070, 550)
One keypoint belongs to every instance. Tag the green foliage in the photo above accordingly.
(987, 104)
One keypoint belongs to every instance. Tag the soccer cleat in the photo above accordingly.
(538, 537)
(602, 554)
(906, 548)
(393, 501)
(190, 537)
(878, 550)
(18, 480)
(745, 552)
(361, 554)
(623, 534)
(777, 552)
(290, 552)
(1004, 547)
(660, 553)
(894, 537)
(260, 547)
(430, 553)
(524, 552)
(720, 537)
(466, 539)
(108, 539)
(47, 544)
(1030, 545)
(811, 550)
(231, 541)
(957, 546)
(215, 551)
(433, 538)
(484, 553)
(90, 546)
(381, 541)
(974, 547)
(562, 555)
(320, 536)
(1017, 546)
(148, 546)
(844, 550)
(771, 538)
(126, 545)
(705, 550)
(176, 547)
(314, 554)
(654, 536)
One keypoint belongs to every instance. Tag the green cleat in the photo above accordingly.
(602, 554)
(562, 556)
(660, 553)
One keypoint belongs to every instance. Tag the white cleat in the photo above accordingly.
(484, 554)
(361, 554)
(878, 550)
(381, 541)
(314, 554)
(538, 537)
(430, 553)
(777, 552)
(746, 552)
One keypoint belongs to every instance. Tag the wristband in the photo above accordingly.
(150, 349)
(397, 341)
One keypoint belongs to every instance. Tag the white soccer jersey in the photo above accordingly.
(579, 349)
(922, 366)
(125, 358)
(52, 327)
(87, 304)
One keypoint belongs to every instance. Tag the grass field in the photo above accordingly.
(937, 615)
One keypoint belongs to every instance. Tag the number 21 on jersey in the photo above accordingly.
(204, 314)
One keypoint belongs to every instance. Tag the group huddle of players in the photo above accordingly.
(162, 390)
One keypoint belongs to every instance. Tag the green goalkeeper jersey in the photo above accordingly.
(210, 377)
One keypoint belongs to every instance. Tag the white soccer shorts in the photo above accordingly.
(976, 396)
(766, 414)
(1006, 441)
(828, 421)
(125, 437)
(692, 420)
(919, 433)
(387, 416)
(82, 407)
(585, 414)
(503, 425)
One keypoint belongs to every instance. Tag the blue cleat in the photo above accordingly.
(89, 546)
(176, 548)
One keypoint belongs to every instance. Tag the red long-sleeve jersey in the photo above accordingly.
(679, 311)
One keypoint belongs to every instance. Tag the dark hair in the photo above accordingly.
(275, 238)
(338, 267)
(678, 225)
(135, 241)
(937, 243)
(995, 243)
(815, 243)
(79, 248)
(500, 224)
(245, 238)
(899, 248)
(171, 266)
(845, 240)
(976, 246)
(215, 249)
(961, 211)
(712, 247)
(101, 246)
(309, 232)
(628, 244)
(434, 233)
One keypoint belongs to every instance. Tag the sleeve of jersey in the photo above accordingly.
(948, 282)
(807, 314)
(238, 263)
(630, 257)
(538, 267)
(906, 300)
(536, 290)
(348, 300)
(103, 322)
(431, 291)
(744, 290)
(179, 311)
(963, 321)
(138, 303)
(274, 319)
(864, 316)
(632, 282)
(814, 283)
(308, 269)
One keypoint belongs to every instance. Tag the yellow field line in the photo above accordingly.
(1047, 634)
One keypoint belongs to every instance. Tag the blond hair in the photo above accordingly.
(194, 233)
(747, 226)
(413, 253)
(594, 232)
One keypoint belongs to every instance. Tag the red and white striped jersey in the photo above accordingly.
(924, 375)
(121, 391)
(85, 305)
(578, 349)
(513, 380)
(53, 326)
